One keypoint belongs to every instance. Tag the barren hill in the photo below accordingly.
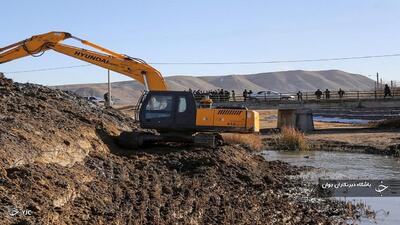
(285, 81)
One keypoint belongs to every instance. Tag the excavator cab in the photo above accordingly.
(168, 111)
(178, 112)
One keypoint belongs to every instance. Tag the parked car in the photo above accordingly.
(271, 95)
(95, 99)
(100, 101)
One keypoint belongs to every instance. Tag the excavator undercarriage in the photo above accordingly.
(135, 140)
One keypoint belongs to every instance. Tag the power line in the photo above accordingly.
(225, 63)
(277, 61)
(48, 69)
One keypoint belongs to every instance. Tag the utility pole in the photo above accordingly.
(376, 85)
(109, 103)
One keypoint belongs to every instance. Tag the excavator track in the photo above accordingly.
(137, 140)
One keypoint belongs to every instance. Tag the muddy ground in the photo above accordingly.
(380, 141)
(59, 164)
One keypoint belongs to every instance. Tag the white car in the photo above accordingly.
(95, 99)
(271, 95)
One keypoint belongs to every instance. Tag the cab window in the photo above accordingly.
(159, 107)
(182, 105)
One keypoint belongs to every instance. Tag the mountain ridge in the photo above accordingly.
(282, 81)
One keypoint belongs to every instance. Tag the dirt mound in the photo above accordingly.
(393, 123)
(38, 124)
(60, 165)
(4, 82)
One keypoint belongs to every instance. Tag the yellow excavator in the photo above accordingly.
(175, 115)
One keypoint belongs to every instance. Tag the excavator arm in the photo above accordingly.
(132, 67)
(175, 114)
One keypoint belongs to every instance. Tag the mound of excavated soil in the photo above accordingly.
(393, 123)
(59, 165)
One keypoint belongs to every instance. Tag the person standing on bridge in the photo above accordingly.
(226, 96)
(341, 93)
(299, 96)
(387, 91)
(245, 94)
(233, 96)
(327, 94)
(318, 93)
(249, 94)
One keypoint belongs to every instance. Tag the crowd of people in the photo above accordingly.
(219, 95)
(318, 93)
(327, 93)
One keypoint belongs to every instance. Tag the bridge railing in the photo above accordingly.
(305, 96)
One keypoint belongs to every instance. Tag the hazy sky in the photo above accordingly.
(209, 31)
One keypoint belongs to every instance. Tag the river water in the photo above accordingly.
(340, 120)
(338, 165)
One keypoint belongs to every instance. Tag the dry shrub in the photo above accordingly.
(291, 139)
(252, 141)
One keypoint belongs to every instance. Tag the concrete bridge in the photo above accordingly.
(387, 103)
(299, 114)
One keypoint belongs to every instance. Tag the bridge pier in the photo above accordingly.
(300, 119)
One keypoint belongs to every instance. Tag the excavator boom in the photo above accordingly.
(131, 67)
(174, 114)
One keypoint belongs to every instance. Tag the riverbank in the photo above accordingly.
(362, 140)
(350, 139)
(344, 135)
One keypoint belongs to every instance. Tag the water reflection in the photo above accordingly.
(340, 120)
